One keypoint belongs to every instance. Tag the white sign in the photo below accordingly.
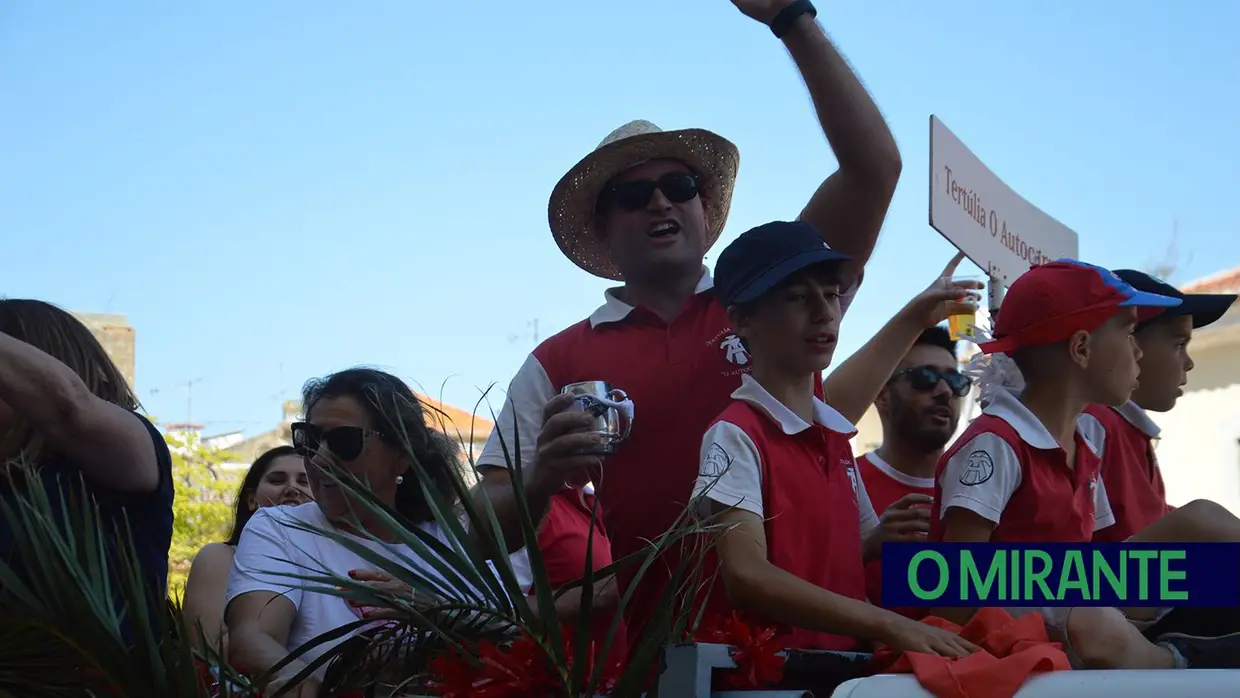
(995, 228)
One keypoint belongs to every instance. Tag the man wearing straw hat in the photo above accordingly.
(643, 209)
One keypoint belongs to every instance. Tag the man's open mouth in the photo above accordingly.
(664, 229)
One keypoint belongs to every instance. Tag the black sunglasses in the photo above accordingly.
(926, 378)
(344, 442)
(678, 187)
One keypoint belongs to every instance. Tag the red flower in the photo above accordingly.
(517, 671)
(759, 663)
(611, 676)
(612, 671)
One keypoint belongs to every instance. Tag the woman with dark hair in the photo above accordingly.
(68, 418)
(368, 423)
(277, 478)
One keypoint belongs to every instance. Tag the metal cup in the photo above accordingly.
(612, 411)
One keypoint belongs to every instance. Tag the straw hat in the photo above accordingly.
(714, 159)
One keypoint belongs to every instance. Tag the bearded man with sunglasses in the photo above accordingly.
(920, 411)
(643, 209)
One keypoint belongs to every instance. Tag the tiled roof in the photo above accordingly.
(1222, 282)
(454, 421)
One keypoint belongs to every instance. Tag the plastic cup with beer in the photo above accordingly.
(963, 325)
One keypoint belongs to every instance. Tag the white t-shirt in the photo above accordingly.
(271, 546)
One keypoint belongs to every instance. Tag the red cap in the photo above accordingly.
(1051, 302)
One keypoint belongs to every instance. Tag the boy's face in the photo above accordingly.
(1165, 362)
(794, 326)
(1112, 364)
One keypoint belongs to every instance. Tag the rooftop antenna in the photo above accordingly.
(531, 332)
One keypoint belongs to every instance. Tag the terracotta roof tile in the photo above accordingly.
(1221, 282)
(455, 421)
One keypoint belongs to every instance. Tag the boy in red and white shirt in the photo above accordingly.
(777, 465)
(1024, 471)
(1125, 434)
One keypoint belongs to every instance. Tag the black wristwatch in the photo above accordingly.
(783, 21)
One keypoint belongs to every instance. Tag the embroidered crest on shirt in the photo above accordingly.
(716, 461)
(978, 469)
(852, 477)
(734, 350)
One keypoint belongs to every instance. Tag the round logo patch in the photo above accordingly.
(979, 468)
(716, 461)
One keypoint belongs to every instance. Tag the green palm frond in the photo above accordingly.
(78, 617)
(477, 594)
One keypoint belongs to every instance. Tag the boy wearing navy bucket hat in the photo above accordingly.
(777, 467)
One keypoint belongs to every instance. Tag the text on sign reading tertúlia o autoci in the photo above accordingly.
(992, 221)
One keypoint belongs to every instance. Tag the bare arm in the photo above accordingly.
(850, 206)
(854, 385)
(258, 626)
(755, 585)
(550, 458)
(496, 488)
(203, 607)
(568, 606)
(962, 526)
(110, 444)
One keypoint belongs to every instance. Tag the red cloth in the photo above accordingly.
(1015, 649)
(563, 537)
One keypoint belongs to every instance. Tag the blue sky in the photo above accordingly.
(273, 191)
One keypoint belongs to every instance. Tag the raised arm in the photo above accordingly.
(853, 386)
(849, 207)
(111, 445)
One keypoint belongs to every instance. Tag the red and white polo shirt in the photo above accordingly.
(1125, 437)
(886, 486)
(680, 376)
(800, 478)
(1007, 468)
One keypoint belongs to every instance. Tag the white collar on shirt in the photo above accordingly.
(752, 392)
(615, 310)
(898, 475)
(1139, 418)
(1006, 405)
